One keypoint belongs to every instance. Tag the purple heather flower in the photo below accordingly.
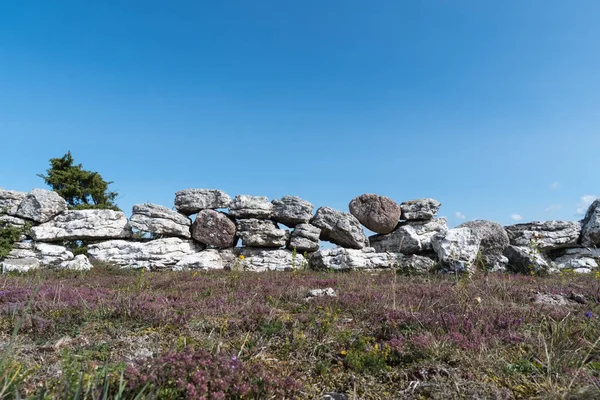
(588, 314)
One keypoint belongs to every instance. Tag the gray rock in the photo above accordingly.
(83, 225)
(380, 214)
(526, 260)
(41, 205)
(339, 228)
(160, 220)
(190, 201)
(551, 299)
(305, 237)
(259, 260)
(414, 264)
(261, 233)
(159, 253)
(12, 221)
(351, 259)
(329, 292)
(19, 265)
(79, 263)
(576, 258)
(209, 259)
(494, 240)
(291, 211)
(47, 254)
(590, 230)
(457, 249)
(214, 228)
(10, 200)
(410, 237)
(546, 235)
(420, 209)
(244, 206)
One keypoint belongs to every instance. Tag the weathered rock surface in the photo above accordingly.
(19, 265)
(261, 233)
(305, 237)
(590, 226)
(79, 263)
(160, 220)
(339, 228)
(190, 201)
(577, 259)
(546, 235)
(351, 259)
(414, 263)
(83, 225)
(159, 253)
(329, 292)
(291, 211)
(420, 209)
(206, 260)
(214, 228)
(457, 249)
(12, 221)
(526, 260)
(46, 254)
(410, 237)
(41, 205)
(259, 260)
(244, 206)
(494, 240)
(10, 200)
(380, 214)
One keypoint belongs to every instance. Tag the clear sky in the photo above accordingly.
(491, 107)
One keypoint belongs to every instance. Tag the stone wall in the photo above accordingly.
(253, 233)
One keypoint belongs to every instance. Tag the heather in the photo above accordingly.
(115, 333)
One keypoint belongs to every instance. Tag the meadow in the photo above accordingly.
(133, 334)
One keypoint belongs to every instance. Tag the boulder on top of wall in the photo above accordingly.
(41, 206)
(545, 235)
(457, 249)
(258, 260)
(191, 201)
(419, 209)
(304, 237)
(159, 253)
(244, 206)
(214, 228)
(261, 233)
(83, 225)
(339, 228)
(207, 260)
(351, 259)
(527, 260)
(590, 229)
(10, 200)
(494, 240)
(380, 214)
(410, 237)
(160, 220)
(291, 211)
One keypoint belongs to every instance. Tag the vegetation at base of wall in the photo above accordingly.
(114, 333)
(9, 235)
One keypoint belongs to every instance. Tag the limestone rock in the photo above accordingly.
(304, 237)
(261, 233)
(159, 253)
(46, 254)
(214, 228)
(546, 235)
(160, 220)
(190, 201)
(420, 209)
(590, 230)
(576, 258)
(83, 225)
(244, 206)
(339, 228)
(457, 249)
(351, 259)
(79, 263)
(291, 211)
(494, 240)
(414, 264)
(329, 292)
(41, 205)
(410, 237)
(380, 214)
(10, 200)
(205, 260)
(259, 260)
(526, 260)
(19, 265)
(12, 221)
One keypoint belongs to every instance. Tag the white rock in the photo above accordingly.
(19, 265)
(420, 209)
(83, 225)
(410, 237)
(191, 201)
(340, 228)
(244, 206)
(329, 292)
(457, 249)
(41, 205)
(159, 220)
(79, 263)
(10, 200)
(546, 235)
(292, 210)
(204, 260)
(261, 233)
(351, 259)
(590, 231)
(260, 260)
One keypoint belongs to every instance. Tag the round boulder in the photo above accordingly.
(214, 228)
(378, 213)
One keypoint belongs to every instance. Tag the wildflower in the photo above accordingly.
(478, 300)
(242, 257)
(343, 352)
(588, 314)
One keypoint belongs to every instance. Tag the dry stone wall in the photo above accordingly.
(258, 234)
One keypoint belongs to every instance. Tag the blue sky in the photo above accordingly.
(491, 107)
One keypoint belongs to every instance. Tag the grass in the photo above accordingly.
(123, 334)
